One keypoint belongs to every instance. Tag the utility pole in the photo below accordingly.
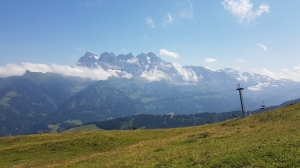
(241, 98)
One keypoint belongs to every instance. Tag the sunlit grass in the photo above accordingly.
(270, 139)
(53, 127)
(76, 122)
(90, 127)
(4, 100)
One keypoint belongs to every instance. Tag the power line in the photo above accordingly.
(275, 97)
(271, 98)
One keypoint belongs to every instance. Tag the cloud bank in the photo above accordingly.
(259, 86)
(243, 9)
(167, 53)
(282, 74)
(210, 60)
(154, 75)
(75, 71)
(186, 74)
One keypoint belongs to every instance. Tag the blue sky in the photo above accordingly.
(261, 36)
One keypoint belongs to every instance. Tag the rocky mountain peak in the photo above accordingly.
(125, 57)
(151, 67)
(109, 58)
(154, 57)
(27, 72)
(87, 54)
(88, 60)
(149, 58)
(141, 56)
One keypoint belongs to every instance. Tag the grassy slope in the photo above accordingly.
(270, 139)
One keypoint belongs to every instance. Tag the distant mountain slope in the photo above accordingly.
(97, 102)
(30, 98)
(119, 97)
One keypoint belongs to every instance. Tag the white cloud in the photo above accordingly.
(187, 74)
(76, 71)
(210, 60)
(293, 74)
(154, 75)
(262, 8)
(243, 9)
(242, 78)
(266, 72)
(240, 60)
(259, 86)
(167, 53)
(187, 13)
(150, 22)
(262, 46)
(168, 19)
(11, 70)
(282, 74)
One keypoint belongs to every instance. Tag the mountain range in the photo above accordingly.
(48, 101)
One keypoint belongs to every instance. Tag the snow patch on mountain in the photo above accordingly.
(148, 59)
(165, 66)
(133, 60)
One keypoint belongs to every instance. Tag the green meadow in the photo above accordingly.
(269, 139)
